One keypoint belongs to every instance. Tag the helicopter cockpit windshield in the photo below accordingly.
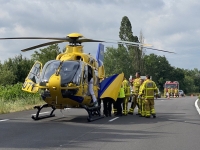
(49, 69)
(70, 71)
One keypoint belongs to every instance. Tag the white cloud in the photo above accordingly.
(169, 25)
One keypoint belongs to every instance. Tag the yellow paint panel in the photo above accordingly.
(30, 86)
(75, 35)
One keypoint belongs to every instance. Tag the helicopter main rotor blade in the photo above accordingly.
(158, 50)
(148, 46)
(41, 45)
(143, 46)
(32, 38)
(88, 40)
(80, 40)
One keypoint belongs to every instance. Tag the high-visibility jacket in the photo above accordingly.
(176, 91)
(148, 88)
(141, 88)
(121, 92)
(136, 85)
(171, 90)
(126, 87)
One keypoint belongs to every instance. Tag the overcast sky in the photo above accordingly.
(172, 25)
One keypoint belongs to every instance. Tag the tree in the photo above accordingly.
(158, 67)
(125, 58)
(6, 75)
(46, 54)
(19, 67)
(125, 33)
(134, 53)
(189, 84)
(116, 61)
(177, 74)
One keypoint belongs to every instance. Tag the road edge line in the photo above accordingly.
(197, 107)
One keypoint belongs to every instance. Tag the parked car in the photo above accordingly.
(181, 93)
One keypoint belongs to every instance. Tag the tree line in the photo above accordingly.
(125, 58)
(131, 59)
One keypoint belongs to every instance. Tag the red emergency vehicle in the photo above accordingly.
(171, 88)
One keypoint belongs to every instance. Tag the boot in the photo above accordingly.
(154, 115)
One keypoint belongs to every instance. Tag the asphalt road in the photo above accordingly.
(176, 127)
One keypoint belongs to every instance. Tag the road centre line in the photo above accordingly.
(113, 119)
(197, 107)
(4, 120)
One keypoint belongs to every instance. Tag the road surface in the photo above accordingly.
(176, 127)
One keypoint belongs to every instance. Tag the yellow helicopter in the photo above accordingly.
(65, 81)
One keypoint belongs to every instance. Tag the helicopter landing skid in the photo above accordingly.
(37, 117)
(94, 113)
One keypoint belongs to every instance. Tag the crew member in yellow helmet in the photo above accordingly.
(141, 101)
(148, 89)
(136, 87)
(127, 95)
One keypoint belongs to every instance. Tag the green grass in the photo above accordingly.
(13, 99)
(18, 105)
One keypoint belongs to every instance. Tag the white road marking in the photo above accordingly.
(173, 119)
(67, 108)
(197, 107)
(113, 119)
(42, 113)
(4, 120)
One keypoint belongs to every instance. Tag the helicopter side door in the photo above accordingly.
(85, 81)
(31, 83)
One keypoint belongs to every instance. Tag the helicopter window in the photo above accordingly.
(70, 73)
(85, 74)
(49, 69)
(79, 58)
(34, 74)
(90, 73)
(96, 77)
(170, 86)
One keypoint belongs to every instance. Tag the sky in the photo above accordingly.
(172, 25)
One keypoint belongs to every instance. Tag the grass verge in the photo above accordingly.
(18, 105)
